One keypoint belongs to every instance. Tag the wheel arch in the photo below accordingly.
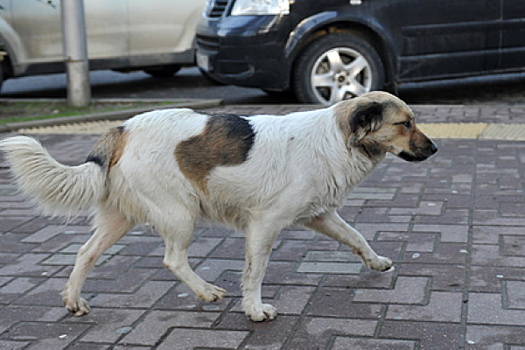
(11, 43)
(326, 23)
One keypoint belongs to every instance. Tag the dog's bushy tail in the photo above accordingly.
(59, 189)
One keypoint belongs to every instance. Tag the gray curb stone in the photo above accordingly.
(114, 115)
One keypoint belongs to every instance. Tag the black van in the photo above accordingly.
(329, 50)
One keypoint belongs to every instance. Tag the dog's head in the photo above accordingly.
(379, 122)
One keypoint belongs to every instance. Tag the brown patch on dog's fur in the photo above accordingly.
(120, 138)
(226, 140)
(416, 144)
(109, 148)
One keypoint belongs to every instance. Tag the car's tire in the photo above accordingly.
(337, 66)
(163, 71)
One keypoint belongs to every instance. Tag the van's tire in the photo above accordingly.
(337, 66)
(163, 71)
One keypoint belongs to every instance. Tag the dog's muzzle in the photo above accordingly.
(420, 154)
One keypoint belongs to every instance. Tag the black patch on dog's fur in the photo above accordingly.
(366, 115)
(95, 159)
(238, 129)
(98, 154)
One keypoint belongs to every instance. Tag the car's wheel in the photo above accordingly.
(335, 67)
(163, 72)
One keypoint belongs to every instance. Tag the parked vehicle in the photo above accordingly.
(329, 50)
(154, 36)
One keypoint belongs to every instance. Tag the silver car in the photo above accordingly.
(123, 35)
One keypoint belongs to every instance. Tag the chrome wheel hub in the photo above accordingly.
(339, 74)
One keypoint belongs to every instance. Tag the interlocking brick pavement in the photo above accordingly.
(454, 226)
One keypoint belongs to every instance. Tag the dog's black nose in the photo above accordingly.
(433, 148)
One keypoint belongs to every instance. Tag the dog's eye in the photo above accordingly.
(407, 124)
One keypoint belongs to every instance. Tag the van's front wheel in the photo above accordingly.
(335, 67)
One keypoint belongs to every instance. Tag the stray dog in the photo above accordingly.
(257, 174)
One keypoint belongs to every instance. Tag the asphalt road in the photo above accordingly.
(189, 83)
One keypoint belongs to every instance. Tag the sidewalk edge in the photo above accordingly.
(114, 115)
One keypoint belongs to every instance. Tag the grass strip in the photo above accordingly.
(14, 112)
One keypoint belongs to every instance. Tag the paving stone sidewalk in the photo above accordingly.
(454, 226)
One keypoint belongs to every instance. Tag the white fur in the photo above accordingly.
(299, 170)
(59, 189)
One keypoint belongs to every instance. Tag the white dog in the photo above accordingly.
(257, 174)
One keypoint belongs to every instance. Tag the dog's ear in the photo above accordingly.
(366, 118)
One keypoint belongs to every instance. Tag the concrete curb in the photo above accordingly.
(113, 115)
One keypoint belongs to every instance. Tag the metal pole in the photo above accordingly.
(75, 53)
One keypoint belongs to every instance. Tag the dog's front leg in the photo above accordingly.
(334, 227)
(259, 240)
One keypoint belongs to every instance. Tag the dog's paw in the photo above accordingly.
(78, 307)
(261, 312)
(211, 293)
(380, 263)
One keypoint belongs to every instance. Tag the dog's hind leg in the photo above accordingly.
(259, 240)
(110, 226)
(334, 227)
(177, 240)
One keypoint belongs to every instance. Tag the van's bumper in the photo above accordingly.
(244, 50)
